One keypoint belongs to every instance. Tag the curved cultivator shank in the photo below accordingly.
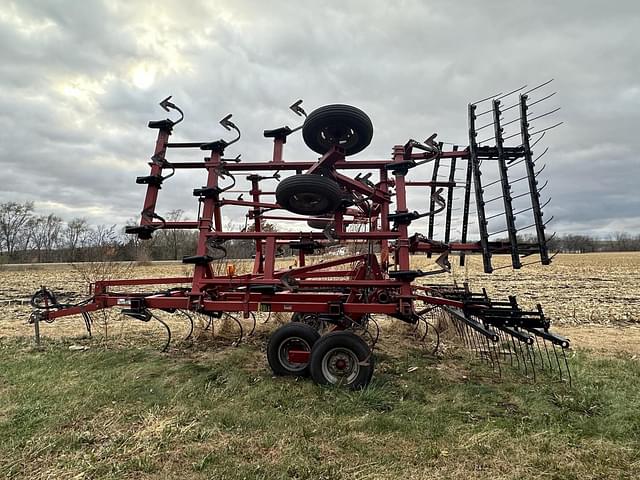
(480, 199)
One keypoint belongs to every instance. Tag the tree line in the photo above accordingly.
(26, 237)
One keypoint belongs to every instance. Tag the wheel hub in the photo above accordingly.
(340, 366)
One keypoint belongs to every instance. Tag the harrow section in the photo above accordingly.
(333, 300)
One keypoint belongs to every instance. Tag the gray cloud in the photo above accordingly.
(81, 79)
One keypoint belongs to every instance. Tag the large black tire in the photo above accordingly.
(342, 125)
(342, 358)
(321, 222)
(292, 336)
(309, 194)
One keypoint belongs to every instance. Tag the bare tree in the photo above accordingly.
(14, 220)
(46, 233)
(75, 236)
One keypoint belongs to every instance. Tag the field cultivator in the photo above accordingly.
(319, 205)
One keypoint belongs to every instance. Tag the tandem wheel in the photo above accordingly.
(341, 358)
(309, 194)
(337, 125)
(292, 337)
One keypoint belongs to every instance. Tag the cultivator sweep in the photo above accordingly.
(318, 207)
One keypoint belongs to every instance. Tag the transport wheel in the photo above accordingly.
(341, 358)
(294, 336)
(309, 194)
(342, 125)
(321, 222)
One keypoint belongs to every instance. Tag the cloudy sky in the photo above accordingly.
(80, 80)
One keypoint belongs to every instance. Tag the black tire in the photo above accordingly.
(341, 125)
(321, 223)
(294, 335)
(357, 365)
(309, 194)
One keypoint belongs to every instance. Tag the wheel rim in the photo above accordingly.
(289, 344)
(341, 135)
(309, 201)
(340, 366)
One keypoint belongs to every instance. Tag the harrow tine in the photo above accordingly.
(541, 155)
(491, 346)
(435, 330)
(531, 359)
(532, 133)
(515, 352)
(524, 360)
(253, 327)
(511, 352)
(486, 98)
(166, 346)
(377, 331)
(542, 99)
(190, 324)
(510, 93)
(538, 140)
(209, 323)
(544, 114)
(470, 342)
(546, 349)
(86, 316)
(540, 354)
(237, 342)
(555, 352)
(538, 86)
(566, 363)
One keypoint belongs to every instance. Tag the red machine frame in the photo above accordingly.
(380, 281)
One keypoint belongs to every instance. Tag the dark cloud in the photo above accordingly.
(81, 79)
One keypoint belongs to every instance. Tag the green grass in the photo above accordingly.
(128, 413)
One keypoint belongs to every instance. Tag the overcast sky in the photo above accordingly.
(80, 80)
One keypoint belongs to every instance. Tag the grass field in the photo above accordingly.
(122, 409)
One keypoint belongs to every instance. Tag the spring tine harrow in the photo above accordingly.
(493, 330)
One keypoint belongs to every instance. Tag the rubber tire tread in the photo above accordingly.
(328, 114)
(320, 223)
(292, 329)
(347, 340)
(309, 183)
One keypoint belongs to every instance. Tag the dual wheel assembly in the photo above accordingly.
(330, 126)
(336, 358)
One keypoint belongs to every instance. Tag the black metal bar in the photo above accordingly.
(476, 326)
(506, 188)
(552, 337)
(465, 209)
(533, 183)
(447, 221)
(184, 144)
(477, 182)
(523, 337)
(432, 202)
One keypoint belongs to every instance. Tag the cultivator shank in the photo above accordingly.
(320, 206)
